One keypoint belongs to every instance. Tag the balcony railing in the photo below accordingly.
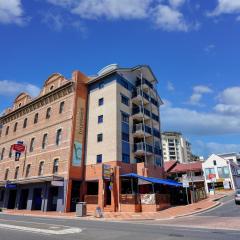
(137, 110)
(138, 94)
(142, 148)
(142, 128)
(144, 81)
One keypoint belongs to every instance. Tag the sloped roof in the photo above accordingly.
(186, 167)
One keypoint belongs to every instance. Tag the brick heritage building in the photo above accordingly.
(73, 129)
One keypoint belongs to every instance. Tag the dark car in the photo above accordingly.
(237, 196)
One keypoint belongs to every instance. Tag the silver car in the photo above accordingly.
(237, 196)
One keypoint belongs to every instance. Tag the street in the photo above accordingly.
(192, 227)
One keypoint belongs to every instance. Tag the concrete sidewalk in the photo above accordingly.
(170, 213)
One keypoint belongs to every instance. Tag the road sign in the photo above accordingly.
(185, 184)
(211, 175)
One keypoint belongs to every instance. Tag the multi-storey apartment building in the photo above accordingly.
(75, 132)
(176, 147)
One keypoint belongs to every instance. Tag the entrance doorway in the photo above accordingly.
(12, 199)
(23, 199)
(75, 195)
(108, 193)
(37, 199)
(52, 199)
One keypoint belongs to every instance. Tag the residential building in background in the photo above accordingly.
(235, 157)
(220, 173)
(81, 136)
(176, 147)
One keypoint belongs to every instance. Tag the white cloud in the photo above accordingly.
(198, 123)
(212, 147)
(112, 9)
(170, 86)
(11, 88)
(176, 3)
(226, 7)
(165, 16)
(169, 19)
(11, 11)
(229, 101)
(198, 92)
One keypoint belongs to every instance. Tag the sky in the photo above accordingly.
(192, 47)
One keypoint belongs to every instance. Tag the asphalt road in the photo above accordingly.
(30, 228)
(227, 209)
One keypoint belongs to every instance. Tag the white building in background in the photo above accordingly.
(220, 173)
(176, 147)
(235, 157)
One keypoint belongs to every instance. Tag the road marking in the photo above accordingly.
(42, 231)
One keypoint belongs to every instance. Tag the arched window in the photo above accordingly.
(40, 170)
(15, 127)
(44, 141)
(36, 118)
(2, 153)
(7, 130)
(28, 170)
(32, 145)
(55, 165)
(48, 113)
(25, 123)
(16, 173)
(6, 174)
(61, 107)
(58, 137)
(10, 152)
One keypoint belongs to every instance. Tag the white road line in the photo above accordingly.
(42, 231)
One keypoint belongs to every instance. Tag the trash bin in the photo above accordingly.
(81, 209)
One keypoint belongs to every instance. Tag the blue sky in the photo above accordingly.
(192, 47)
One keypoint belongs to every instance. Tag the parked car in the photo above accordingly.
(237, 196)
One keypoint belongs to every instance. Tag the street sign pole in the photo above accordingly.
(187, 195)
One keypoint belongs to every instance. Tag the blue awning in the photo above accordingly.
(154, 180)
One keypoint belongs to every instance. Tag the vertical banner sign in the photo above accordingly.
(79, 132)
(106, 171)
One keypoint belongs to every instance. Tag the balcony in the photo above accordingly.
(140, 149)
(145, 83)
(139, 113)
(140, 130)
(138, 96)
(158, 151)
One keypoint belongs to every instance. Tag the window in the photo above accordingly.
(16, 173)
(125, 137)
(25, 123)
(214, 162)
(100, 137)
(48, 113)
(124, 84)
(6, 174)
(15, 127)
(10, 152)
(101, 85)
(125, 117)
(99, 158)
(2, 154)
(61, 107)
(125, 100)
(28, 170)
(44, 141)
(100, 119)
(36, 118)
(223, 172)
(58, 137)
(100, 101)
(125, 158)
(7, 130)
(40, 170)
(32, 145)
(209, 171)
(55, 166)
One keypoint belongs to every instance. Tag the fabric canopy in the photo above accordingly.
(154, 180)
